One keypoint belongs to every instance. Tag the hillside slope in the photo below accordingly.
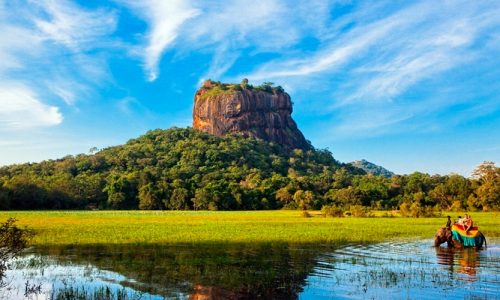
(372, 168)
(170, 169)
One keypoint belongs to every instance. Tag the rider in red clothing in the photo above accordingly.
(468, 223)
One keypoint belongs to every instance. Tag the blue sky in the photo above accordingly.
(407, 85)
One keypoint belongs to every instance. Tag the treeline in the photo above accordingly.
(218, 88)
(186, 169)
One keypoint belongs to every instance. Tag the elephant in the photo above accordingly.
(445, 235)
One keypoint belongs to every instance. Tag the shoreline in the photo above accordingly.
(232, 227)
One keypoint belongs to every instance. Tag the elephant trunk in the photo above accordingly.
(441, 236)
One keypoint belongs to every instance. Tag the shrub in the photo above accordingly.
(235, 87)
(291, 206)
(456, 206)
(430, 211)
(416, 210)
(360, 211)
(306, 214)
(388, 214)
(332, 211)
(12, 241)
(404, 209)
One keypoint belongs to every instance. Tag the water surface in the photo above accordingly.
(403, 269)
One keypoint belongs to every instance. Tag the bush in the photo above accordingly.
(456, 206)
(430, 211)
(388, 214)
(306, 214)
(404, 209)
(360, 211)
(332, 211)
(12, 241)
(291, 206)
(236, 87)
(416, 210)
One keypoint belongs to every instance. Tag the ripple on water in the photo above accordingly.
(405, 269)
(392, 270)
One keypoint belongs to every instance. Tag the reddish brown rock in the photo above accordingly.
(250, 112)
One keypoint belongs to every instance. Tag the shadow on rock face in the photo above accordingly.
(253, 113)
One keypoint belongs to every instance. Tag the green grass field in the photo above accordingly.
(169, 227)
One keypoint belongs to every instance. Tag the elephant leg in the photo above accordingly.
(483, 239)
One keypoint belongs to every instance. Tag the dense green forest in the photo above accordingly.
(186, 169)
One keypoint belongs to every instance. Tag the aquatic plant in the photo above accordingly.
(12, 241)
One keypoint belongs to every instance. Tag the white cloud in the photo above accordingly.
(73, 26)
(222, 61)
(165, 19)
(63, 91)
(372, 59)
(130, 106)
(20, 108)
(43, 57)
(242, 23)
(15, 43)
(225, 29)
(342, 49)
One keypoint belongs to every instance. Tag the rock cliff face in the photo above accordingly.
(221, 109)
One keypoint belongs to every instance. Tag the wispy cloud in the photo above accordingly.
(20, 108)
(226, 29)
(372, 64)
(49, 56)
(72, 26)
(165, 19)
(365, 59)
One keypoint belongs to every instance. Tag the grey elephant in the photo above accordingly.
(445, 235)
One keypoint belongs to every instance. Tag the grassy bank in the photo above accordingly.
(168, 227)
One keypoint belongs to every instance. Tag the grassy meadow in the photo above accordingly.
(170, 227)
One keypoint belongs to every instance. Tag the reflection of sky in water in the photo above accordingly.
(392, 270)
(52, 278)
(402, 270)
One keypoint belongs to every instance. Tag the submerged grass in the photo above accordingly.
(174, 227)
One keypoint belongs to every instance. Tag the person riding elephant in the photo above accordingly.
(448, 222)
(468, 223)
(445, 235)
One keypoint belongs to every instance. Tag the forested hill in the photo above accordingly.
(371, 168)
(187, 169)
(170, 169)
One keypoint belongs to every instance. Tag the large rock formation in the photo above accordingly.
(263, 112)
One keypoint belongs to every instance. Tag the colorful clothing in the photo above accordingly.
(470, 239)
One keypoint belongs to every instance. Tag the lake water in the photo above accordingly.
(392, 270)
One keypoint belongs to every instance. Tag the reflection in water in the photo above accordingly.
(405, 270)
(182, 271)
(465, 261)
(268, 271)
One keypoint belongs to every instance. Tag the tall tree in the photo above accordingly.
(488, 192)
